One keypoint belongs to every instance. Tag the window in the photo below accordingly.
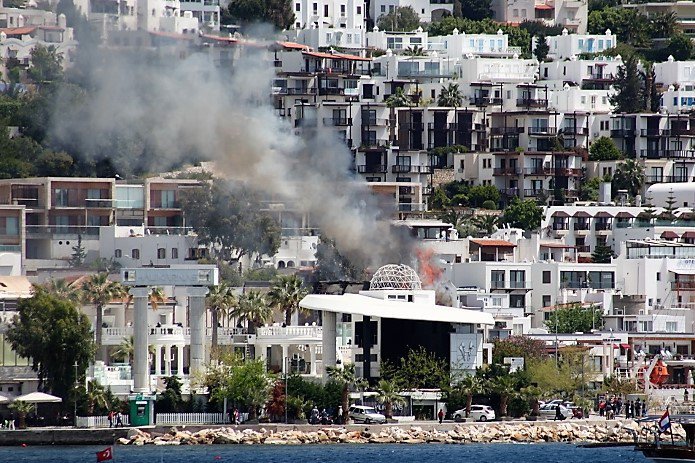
(646, 326)
(546, 277)
(546, 300)
(297, 7)
(315, 8)
(671, 327)
(174, 253)
(168, 198)
(117, 253)
(383, 8)
(60, 197)
(658, 276)
(359, 10)
(325, 10)
(11, 226)
(342, 10)
(161, 253)
(135, 253)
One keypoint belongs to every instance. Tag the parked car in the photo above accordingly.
(548, 411)
(365, 414)
(478, 413)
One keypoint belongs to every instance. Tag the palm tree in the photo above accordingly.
(96, 397)
(471, 385)
(387, 394)
(454, 217)
(285, 293)
(62, 290)
(252, 308)
(23, 409)
(629, 176)
(125, 350)
(415, 50)
(398, 99)
(487, 223)
(506, 387)
(99, 290)
(450, 96)
(219, 301)
(344, 375)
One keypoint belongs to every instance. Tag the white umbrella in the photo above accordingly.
(39, 397)
(4, 399)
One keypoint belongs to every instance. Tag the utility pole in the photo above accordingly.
(287, 372)
(75, 399)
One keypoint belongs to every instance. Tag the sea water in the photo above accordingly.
(343, 453)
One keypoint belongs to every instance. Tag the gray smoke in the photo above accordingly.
(166, 112)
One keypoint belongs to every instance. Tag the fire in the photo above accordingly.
(429, 272)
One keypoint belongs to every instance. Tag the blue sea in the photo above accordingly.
(345, 453)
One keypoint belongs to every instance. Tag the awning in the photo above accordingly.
(688, 234)
(603, 214)
(372, 307)
(624, 215)
(669, 235)
(38, 398)
(493, 243)
(544, 7)
(560, 214)
(556, 245)
(582, 214)
(625, 346)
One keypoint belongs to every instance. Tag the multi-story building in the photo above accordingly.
(573, 14)
(567, 45)
(429, 10)
(165, 16)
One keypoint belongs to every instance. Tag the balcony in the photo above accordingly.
(36, 231)
(510, 285)
(531, 103)
(600, 76)
(585, 284)
(413, 126)
(464, 128)
(404, 169)
(667, 154)
(506, 171)
(602, 226)
(371, 121)
(509, 191)
(581, 226)
(686, 285)
(289, 333)
(301, 91)
(568, 172)
(575, 131)
(406, 190)
(99, 203)
(583, 248)
(371, 169)
(331, 91)
(677, 131)
(542, 131)
(486, 101)
(561, 226)
(538, 192)
(655, 132)
(337, 121)
(622, 133)
(374, 144)
(501, 131)
(307, 123)
(538, 170)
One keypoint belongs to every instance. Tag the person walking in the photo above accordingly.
(685, 395)
(638, 408)
(110, 418)
(441, 415)
(601, 407)
(119, 419)
(339, 418)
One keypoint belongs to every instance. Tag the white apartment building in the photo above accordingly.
(462, 44)
(207, 12)
(568, 45)
(683, 10)
(324, 14)
(680, 74)
(163, 16)
(598, 73)
(429, 10)
(573, 14)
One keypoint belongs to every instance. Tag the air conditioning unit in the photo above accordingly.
(641, 312)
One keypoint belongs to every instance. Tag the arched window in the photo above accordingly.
(281, 264)
(290, 264)
(161, 253)
(118, 254)
(135, 253)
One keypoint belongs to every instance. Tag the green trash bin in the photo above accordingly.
(141, 409)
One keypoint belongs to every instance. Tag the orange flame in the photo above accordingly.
(429, 272)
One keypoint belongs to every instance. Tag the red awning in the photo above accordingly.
(625, 346)
(615, 346)
(544, 7)
(670, 235)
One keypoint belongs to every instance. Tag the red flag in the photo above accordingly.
(105, 454)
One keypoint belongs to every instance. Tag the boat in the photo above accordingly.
(663, 448)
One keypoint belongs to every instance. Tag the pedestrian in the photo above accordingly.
(638, 408)
(685, 396)
(628, 409)
(236, 416)
(558, 413)
(441, 415)
(110, 418)
(601, 408)
(619, 404)
(339, 418)
(119, 419)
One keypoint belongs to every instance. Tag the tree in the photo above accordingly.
(78, 254)
(99, 291)
(627, 24)
(22, 409)
(253, 308)
(276, 12)
(220, 301)
(523, 214)
(487, 223)
(478, 194)
(680, 46)
(450, 96)
(575, 318)
(387, 395)
(402, 18)
(46, 64)
(542, 48)
(398, 99)
(243, 382)
(629, 176)
(62, 290)
(603, 149)
(518, 346)
(286, 291)
(171, 399)
(476, 10)
(629, 96)
(230, 222)
(419, 369)
(439, 200)
(331, 265)
(97, 397)
(469, 386)
(275, 407)
(345, 376)
(54, 335)
(507, 387)
(602, 254)
(663, 25)
(415, 50)
(652, 96)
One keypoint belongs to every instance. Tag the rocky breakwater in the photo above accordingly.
(574, 431)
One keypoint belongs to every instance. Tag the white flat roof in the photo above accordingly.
(372, 307)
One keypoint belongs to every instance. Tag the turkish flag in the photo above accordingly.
(104, 455)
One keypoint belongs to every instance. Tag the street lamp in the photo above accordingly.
(75, 400)
(287, 372)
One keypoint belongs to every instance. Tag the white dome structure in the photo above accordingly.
(394, 276)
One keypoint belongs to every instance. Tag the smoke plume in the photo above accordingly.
(160, 113)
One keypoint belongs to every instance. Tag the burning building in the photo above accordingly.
(394, 315)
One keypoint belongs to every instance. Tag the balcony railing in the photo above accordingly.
(497, 131)
(538, 171)
(99, 203)
(542, 130)
(331, 91)
(682, 131)
(528, 192)
(582, 226)
(337, 121)
(655, 132)
(579, 284)
(403, 169)
(575, 130)
(510, 285)
(486, 101)
(601, 76)
(374, 121)
(602, 226)
(622, 133)
(301, 91)
(506, 171)
(510, 191)
(583, 248)
(47, 230)
(683, 285)
(371, 169)
(531, 103)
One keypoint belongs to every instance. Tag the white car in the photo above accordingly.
(548, 411)
(478, 413)
(365, 414)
